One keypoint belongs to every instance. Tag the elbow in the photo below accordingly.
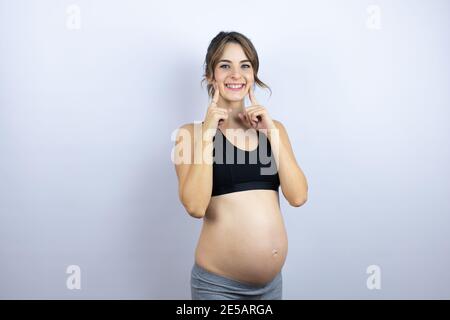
(297, 202)
(192, 207)
(195, 212)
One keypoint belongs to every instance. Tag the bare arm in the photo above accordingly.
(193, 165)
(195, 170)
(292, 179)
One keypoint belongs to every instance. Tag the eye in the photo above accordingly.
(244, 65)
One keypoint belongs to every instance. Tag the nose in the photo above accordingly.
(235, 74)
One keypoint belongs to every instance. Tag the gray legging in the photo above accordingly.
(210, 286)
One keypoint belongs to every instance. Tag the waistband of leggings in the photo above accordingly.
(232, 282)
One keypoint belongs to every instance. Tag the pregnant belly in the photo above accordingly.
(243, 237)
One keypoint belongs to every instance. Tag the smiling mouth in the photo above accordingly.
(235, 87)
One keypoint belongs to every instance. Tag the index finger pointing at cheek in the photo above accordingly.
(251, 94)
(216, 94)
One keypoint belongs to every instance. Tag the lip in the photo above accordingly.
(232, 89)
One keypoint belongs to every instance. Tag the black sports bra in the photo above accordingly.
(247, 170)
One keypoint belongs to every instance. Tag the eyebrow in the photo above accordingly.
(230, 61)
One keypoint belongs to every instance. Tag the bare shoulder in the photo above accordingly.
(278, 124)
(282, 132)
(190, 130)
(186, 130)
(280, 127)
(187, 126)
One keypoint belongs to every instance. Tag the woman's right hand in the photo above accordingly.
(215, 116)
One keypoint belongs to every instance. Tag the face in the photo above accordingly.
(234, 73)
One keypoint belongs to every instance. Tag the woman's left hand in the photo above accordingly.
(256, 116)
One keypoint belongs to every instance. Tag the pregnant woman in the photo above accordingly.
(229, 170)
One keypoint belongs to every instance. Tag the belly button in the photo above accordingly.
(274, 252)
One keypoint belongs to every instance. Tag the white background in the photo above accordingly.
(86, 118)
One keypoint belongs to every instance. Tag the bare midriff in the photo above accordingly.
(243, 236)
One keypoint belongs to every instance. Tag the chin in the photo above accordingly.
(234, 99)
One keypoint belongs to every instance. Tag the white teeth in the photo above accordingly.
(234, 86)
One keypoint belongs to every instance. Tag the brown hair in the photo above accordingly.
(216, 48)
